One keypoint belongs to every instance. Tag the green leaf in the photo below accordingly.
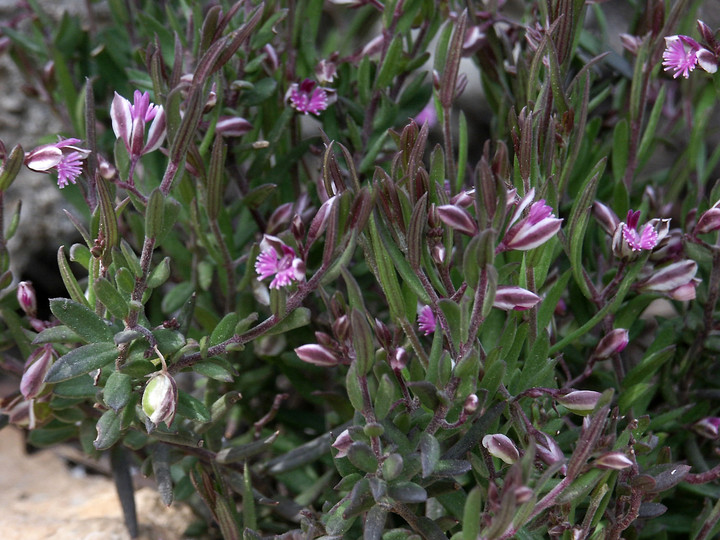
(192, 408)
(81, 360)
(429, 454)
(71, 284)
(620, 151)
(56, 334)
(111, 298)
(362, 342)
(81, 320)
(117, 390)
(225, 329)
(108, 430)
(299, 317)
(392, 64)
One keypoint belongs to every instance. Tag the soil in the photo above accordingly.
(43, 499)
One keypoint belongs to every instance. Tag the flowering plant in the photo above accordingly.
(319, 294)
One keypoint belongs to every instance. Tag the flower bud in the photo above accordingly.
(580, 402)
(318, 355)
(709, 221)
(708, 427)
(548, 450)
(514, 299)
(26, 298)
(501, 447)
(341, 327)
(232, 126)
(616, 461)
(612, 343)
(36, 368)
(399, 360)
(160, 398)
(685, 292)
(523, 494)
(605, 217)
(458, 219)
(342, 444)
(438, 254)
(670, 277)
(471, 404)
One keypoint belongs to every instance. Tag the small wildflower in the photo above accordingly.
(326, 70)
(533, 230)
(629, 238)
(682, 54)
(427, 114)
(426, 320)
(129, 119)
(279, 260)
(63, 157)
(307, 97)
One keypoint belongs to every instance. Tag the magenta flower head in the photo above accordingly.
(514, 298)
(426, 320)
(36, 368)
(26, 298)
(629, 238)
(307, 97)
(279, 260)
(129, 119)
(683, 53)
(63, 157)
(533, 230)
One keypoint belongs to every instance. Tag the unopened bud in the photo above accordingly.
(523, 494)
(514, 299)
(685, 292)
(383, 333)
(26, 298)
(159, 400)
(548, 450)
(438, 254)
(106, 169)
(606, 218)
(341, 327)
(342, 444)
(471, 404)
(670, 277)
(709, 221)
(36, 368)
(616, 461)
(612, 343)
(232, 126)
(501, 447)
(458, 219)
(318, 355)
(708, 427)
(580, 402)
(399, 360)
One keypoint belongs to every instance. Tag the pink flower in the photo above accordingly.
(26, 298)
(128, 122)
(307, 97)
(426, 320)
(63, 157)
(428, 114)
(279, 260)
(535, 229)
(683, 53)
(629, 238)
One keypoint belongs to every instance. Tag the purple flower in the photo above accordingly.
(683, 53)
(63, 157)
(708, 427)
(26, 298)
(612, 343)
(279, 260)
(426, 320)
(129, 119)
(428, 114)
(307, 97)
(629, 238)
(533, 230)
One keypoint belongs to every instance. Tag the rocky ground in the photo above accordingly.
(43, 499)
